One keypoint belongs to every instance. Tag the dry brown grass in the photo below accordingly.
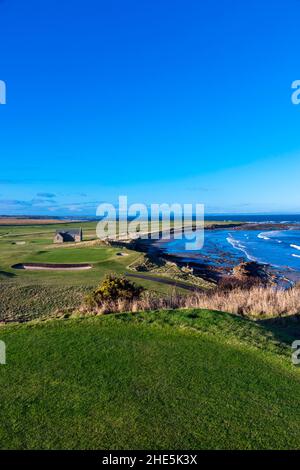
(27, 221)
(254, 302)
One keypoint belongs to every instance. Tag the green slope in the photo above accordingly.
(161, 380)
(27, 295)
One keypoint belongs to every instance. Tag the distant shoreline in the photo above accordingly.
(23, 221)
(215, 272)
(257, 218)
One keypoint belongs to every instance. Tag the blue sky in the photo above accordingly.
(160, 100)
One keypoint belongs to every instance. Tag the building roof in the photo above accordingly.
(72, 233)
(69, 235)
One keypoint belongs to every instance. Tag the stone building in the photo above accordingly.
(62, 236)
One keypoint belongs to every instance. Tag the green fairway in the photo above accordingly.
(161, 380)
(72, 255)
(30, 294)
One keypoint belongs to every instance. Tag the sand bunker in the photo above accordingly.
(52, 267)
(121, 254)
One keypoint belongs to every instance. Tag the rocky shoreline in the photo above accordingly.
(224, 268)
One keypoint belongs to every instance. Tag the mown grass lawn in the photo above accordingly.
(31, 294)
(160, 380)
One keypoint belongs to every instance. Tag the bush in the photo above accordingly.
(228, 283)
(113, 289)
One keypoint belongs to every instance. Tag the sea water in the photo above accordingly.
(227, 247)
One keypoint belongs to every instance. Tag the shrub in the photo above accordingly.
(114, 289)
(228, 283)
(254, 302)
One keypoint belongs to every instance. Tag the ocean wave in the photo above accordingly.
(297, 247)
(238, 246)
(264, 237)
(295, 256)
(271, 235)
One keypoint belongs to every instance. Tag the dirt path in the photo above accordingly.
(162, 280)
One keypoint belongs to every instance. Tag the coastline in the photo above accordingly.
(201, 264)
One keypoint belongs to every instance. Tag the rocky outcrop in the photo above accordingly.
(250, 270)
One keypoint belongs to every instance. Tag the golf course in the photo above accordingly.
(29, 294)
(164, 379)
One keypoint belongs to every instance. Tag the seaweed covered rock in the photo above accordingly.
(250, 270)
